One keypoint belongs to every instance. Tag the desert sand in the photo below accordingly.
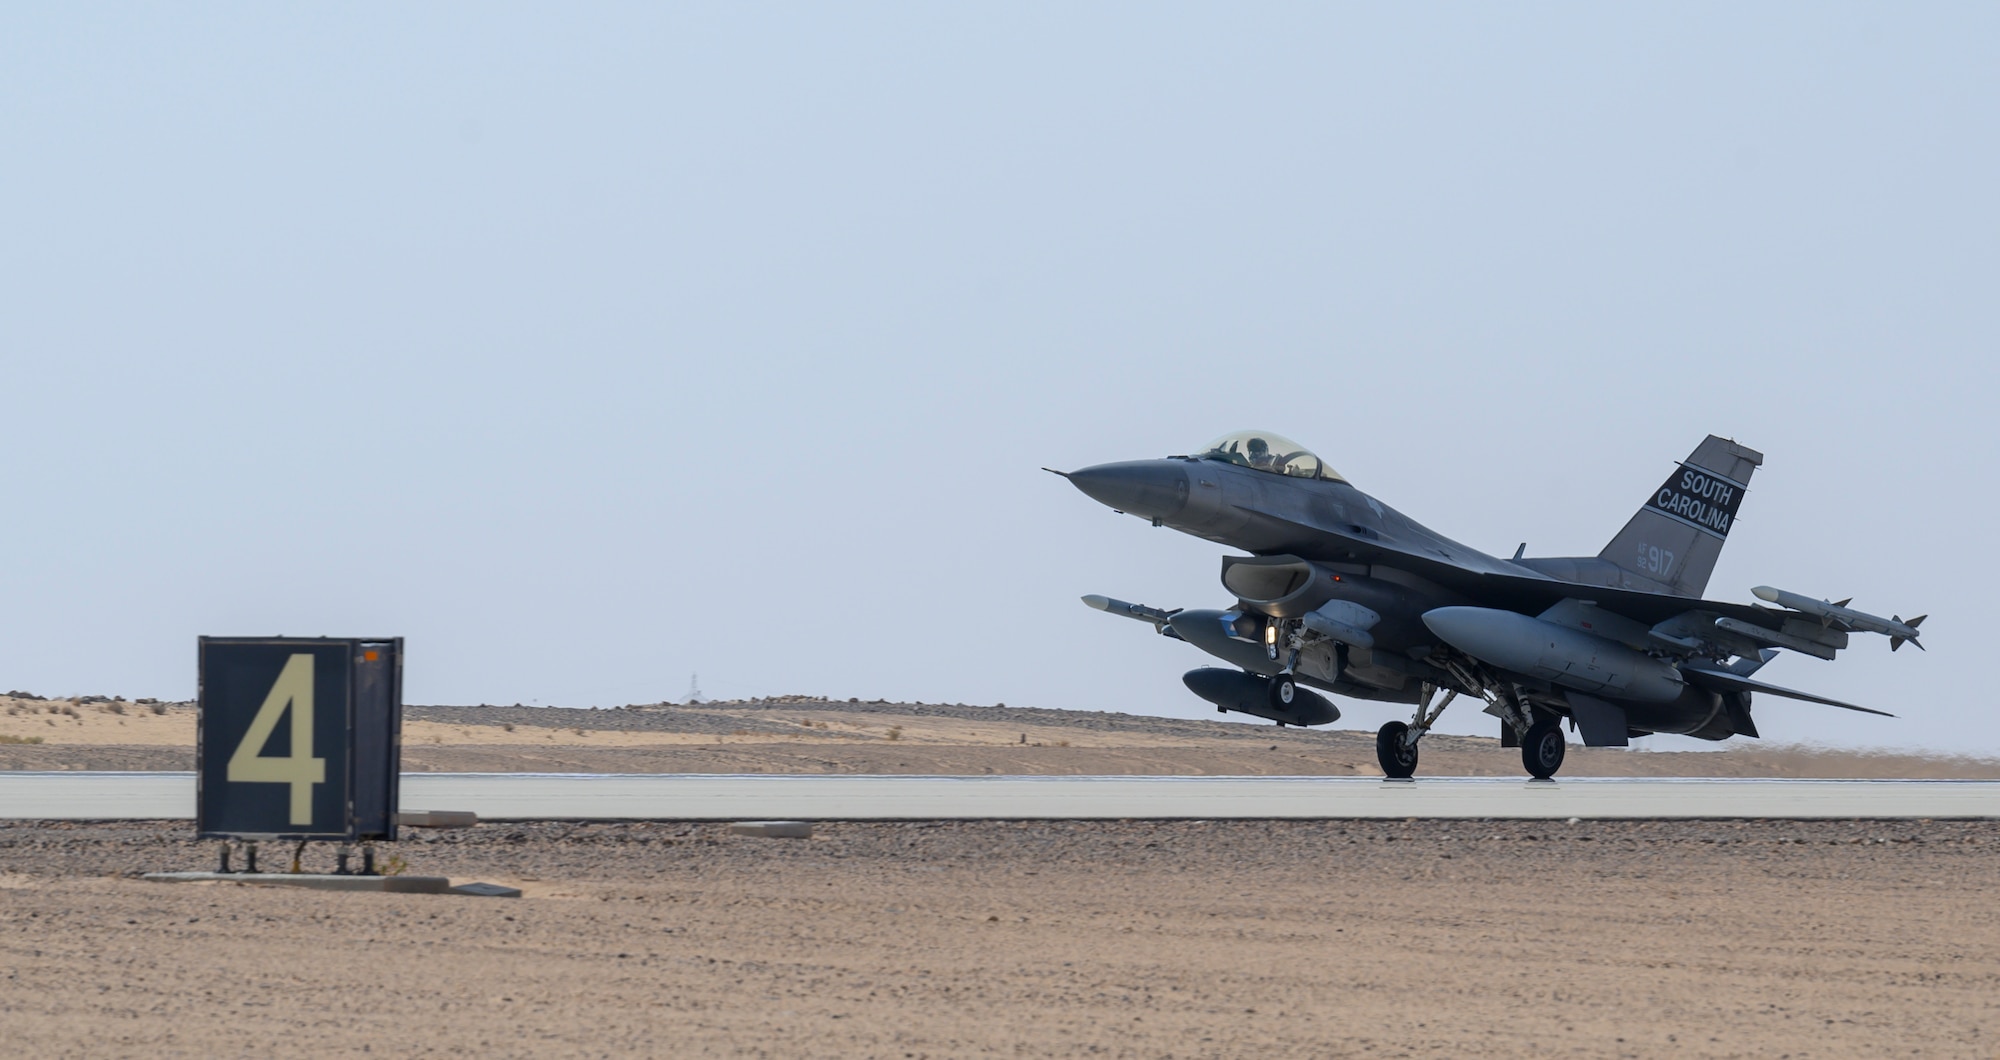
(810, 735)
(1142, 939)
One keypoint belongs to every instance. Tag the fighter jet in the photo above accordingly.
(1341, 593)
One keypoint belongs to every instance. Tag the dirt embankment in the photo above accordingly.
(808, 735)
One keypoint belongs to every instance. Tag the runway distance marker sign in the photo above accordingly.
(300, 738)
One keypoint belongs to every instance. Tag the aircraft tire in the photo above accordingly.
(1283, 692)
(1542, 748)
(1398, 760)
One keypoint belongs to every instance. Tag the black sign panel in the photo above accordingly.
(1701, 499)
(299, 738)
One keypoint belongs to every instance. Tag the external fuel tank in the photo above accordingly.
(1556, 654)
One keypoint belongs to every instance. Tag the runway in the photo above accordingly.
(683, 797)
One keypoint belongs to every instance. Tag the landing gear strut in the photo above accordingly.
(1542, 748)
(1396, 742)
(1396, 751)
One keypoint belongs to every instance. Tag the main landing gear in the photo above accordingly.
(1396, 751)
(1396, 742)
(1542, 743)
(1542, 748)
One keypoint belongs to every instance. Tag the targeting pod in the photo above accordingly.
(1262, 696)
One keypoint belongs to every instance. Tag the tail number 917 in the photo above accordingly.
(1654, 559)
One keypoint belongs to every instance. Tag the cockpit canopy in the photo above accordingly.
(1266, 451)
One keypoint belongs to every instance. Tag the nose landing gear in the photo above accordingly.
(1283, 691)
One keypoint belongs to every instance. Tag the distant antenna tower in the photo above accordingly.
(694, 689)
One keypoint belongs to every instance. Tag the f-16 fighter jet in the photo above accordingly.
(1344, 594)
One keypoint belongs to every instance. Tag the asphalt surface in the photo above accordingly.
(533, 796)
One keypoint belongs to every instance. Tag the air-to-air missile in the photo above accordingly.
(1830, 613)
(1556, 654)
(1119, 607)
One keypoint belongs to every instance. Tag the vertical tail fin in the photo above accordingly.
(1675, 538)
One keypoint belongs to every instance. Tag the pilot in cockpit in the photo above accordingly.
(1261, 456)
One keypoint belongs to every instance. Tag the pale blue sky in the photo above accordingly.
(590, 347)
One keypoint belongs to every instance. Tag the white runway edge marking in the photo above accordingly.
(710, 797)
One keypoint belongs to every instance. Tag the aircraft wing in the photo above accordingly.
(1718, 681)
(1493, 581)
(1677, 622)
(1650, 608)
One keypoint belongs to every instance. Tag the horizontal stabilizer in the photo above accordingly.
(1719, 681)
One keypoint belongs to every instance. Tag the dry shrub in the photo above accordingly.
(895, 732)
(9, 738)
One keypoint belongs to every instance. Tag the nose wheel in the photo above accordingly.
(1542, 748)
(1283, 692)
(1396, 752)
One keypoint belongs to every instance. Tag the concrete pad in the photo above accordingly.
(316, 881)
(26, 795)
(437, 819)
(774, 829)
(487, 890)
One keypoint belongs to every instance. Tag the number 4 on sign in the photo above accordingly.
(294, 691)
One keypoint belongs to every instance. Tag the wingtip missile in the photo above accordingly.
(1829, 613)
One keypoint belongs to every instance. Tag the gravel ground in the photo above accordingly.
(634, 850)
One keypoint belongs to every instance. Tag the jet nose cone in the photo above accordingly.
(1150, 489)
